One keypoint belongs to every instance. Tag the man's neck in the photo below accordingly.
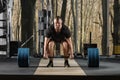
(57, 31)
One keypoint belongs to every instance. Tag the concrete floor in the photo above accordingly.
(79, 70)
(78, 67)
(106, 67)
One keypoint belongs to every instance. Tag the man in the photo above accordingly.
(58, 32)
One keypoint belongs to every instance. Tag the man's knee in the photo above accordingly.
(51, 44)
(65, 45)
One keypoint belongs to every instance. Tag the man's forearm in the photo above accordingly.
(70, 45)
(71, 48)
(45, 44)
(45, 48)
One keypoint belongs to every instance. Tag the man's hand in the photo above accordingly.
(45, 56)
(71, 56)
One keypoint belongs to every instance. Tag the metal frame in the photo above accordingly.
(7, 15)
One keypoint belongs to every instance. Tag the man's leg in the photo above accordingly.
(50, 51)
(66, 55)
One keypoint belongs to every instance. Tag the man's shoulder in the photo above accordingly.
(65, 27)
(51, 26)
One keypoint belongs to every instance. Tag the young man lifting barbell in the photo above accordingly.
(58, 32)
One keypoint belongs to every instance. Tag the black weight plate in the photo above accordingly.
(23, 57)
(93, 57)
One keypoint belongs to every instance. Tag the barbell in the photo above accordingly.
(23, 57)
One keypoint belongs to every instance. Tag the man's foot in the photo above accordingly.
(66, 63)
(50, 64)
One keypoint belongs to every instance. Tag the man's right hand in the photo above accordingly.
(71, 56)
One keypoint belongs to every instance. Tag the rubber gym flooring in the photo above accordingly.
(79, 67)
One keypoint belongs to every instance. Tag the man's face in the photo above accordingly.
(57, 24)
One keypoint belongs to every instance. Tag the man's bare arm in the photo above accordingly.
(69, 41)
(46, 41)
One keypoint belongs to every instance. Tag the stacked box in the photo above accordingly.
(44, 22)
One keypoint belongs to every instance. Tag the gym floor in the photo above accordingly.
(79, 67)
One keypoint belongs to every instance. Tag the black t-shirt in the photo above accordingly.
(58, 36)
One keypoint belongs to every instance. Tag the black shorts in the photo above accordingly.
(58, 41)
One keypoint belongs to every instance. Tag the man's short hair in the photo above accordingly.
(57, 18)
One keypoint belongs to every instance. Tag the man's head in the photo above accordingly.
(58, 23)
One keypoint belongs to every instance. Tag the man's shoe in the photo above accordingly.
(66, 64)
(50, 64)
